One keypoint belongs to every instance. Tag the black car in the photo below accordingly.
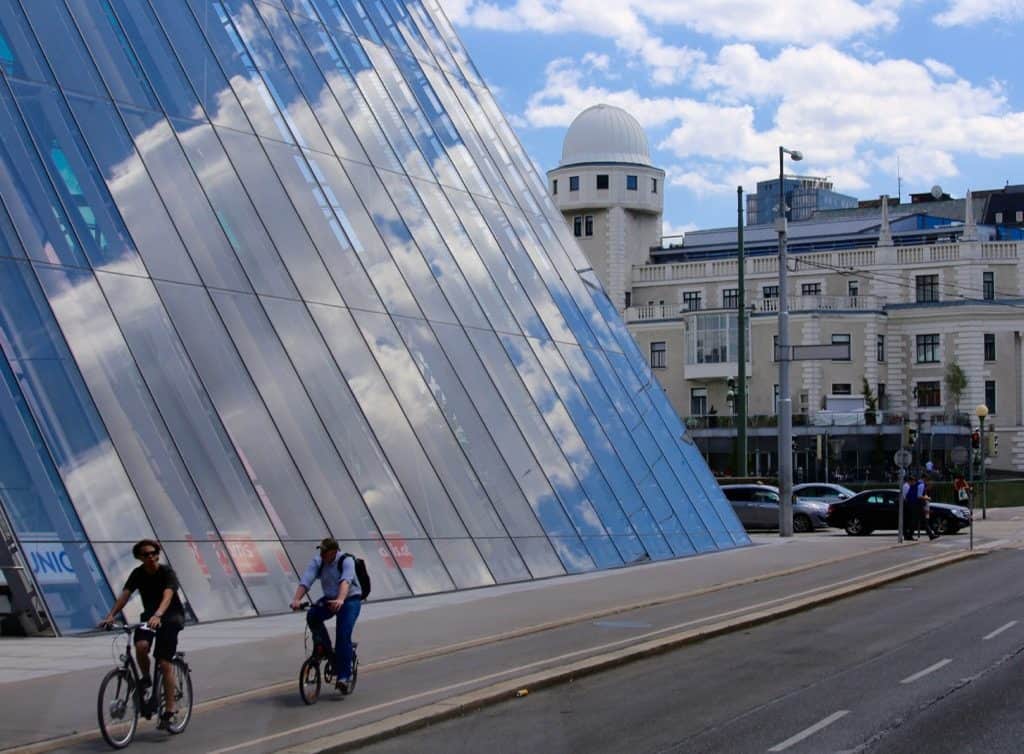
(879, 509)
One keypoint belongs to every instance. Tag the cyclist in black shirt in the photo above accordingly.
(161, 610)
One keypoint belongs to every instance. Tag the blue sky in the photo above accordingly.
(719, 84)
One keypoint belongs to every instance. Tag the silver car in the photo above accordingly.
(757, 507)
(823, 492)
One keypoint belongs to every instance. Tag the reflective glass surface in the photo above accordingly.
(277, 269)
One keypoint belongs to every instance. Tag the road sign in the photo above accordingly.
(902, 457)
(958, 455)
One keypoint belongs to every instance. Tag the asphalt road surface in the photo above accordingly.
(932, 663)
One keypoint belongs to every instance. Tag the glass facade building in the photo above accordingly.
(273, 269)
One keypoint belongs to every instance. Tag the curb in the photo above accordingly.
(506, 690)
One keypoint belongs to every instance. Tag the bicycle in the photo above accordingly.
(119, 714)
(311, 675)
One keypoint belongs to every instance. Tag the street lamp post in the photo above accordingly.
(785, 407)
(981, 412)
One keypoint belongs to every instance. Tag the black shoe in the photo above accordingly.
(166, 719)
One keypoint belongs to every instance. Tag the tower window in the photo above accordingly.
(602, 182)
(554, 186)
(574, 183)
(631, 183)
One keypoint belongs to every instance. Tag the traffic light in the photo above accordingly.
(975, 439)
(992, 444)
(911, 437)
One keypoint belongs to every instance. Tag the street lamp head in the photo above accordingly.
(981, 411)
(796, 155)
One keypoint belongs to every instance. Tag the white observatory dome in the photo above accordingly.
(605, 133)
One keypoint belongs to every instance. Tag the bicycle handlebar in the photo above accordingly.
(128, 627)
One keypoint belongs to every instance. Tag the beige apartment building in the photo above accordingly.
(911, 287)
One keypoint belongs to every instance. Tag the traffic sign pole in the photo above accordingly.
(902, 457)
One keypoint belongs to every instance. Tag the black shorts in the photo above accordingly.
(166, 639)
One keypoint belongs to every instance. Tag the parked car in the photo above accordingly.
(822, 492)
(757, 507)
(879, 509)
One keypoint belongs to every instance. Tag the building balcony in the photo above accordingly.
(822, 303)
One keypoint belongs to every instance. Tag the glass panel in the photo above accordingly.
(209, 579)
(112, 53)
(260, 468)
(129, 183)
(469, 261)
(19, 52)
(348, 51)
(369, 467)
(275, 209)
(429, 424)
(389, 424)
(34, 209)
(540, 557)
(575, 555)
(473, 436)
(464, 563)
(311, 81)
(420, 564)
(79, 184)
(327, 223)
(405, 260)
(70, 60)
(503, 560)
(62, 407)
(266, 571)
(205, 239)
(497, 417)
(242, 225)
(441, 264)
(67, 573)
(346, 92)
(206, 76)
(295, 417)
(10, 244)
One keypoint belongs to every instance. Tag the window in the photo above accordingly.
(880, 347)
(629, 298)
(658, 354)
(588, 225)
(731, 298)
(883, 400)
(927, 289)
(554, 186)
(990, 346)
(842, 339)
(853, 288)
(654, 185)
(691, 300)
(988, 285)
(698, 401)
(574, 183)
(928, 348)
(842, 388)
(928, 395)
(990, 395)
(770, 291)
(577, 226)
(810, 289)
(602, 182)
(631, 183)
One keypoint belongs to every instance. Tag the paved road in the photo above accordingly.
(931, 663)
(267, 722)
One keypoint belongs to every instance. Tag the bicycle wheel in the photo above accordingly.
(309, 681)
(182, 696)
(117, 708)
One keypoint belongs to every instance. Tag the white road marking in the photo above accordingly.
(807, 732)
(926, 671)
(999, 630)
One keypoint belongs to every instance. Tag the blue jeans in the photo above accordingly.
(346, 621)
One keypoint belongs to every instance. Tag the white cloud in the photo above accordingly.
(970, 12)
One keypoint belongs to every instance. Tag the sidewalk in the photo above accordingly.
(250, 661)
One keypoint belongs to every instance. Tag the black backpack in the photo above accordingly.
(362, 574)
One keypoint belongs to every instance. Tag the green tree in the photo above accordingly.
(870, 402)
(956, 383)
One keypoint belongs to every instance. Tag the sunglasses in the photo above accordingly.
(150, 554)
